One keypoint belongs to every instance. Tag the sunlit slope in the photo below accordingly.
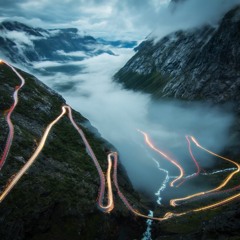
(57, 197)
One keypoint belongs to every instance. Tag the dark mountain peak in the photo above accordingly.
(14, 25)
(233, 15)
(201, 63)
(68, 30)
(17, 26)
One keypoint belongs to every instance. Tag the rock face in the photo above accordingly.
(56, 199)
(198, 64)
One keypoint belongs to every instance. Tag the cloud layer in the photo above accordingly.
(137, 18)
(118, 113)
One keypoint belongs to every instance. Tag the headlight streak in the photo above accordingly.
(125, 201)
(194, 160)
(174, 202)
(28, 164)
(174, 162)
(110, 204)
(8, 116)
(207, 193)
(113, 157)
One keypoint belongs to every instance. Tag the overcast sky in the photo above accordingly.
(134, 18)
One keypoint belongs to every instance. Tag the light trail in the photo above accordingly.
(110, 204)
(125, 201)
(65, 109)
(192, 156)
(108, 208)
(194, 160)
(217, 192)
(173, 202)
(8, 116)
(220, 203)
(207, 193)
(174, 162)
(28, 164)
(165, 181)
(113, 156)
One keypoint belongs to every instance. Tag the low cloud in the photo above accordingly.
(118, 113)
(125, 18)
(19, 37)
(190, 14)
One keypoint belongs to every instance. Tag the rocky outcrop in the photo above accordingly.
(201, 63)
(56, 199)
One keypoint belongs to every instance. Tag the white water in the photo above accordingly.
(147, 234)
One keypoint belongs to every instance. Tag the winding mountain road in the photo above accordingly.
(112, 163)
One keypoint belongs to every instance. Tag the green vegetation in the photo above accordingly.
(151, 83)
(56, 199)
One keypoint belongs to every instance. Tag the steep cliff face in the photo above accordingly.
(56, 199)
(201, 63)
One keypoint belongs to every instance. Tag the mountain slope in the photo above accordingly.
(24, 44)
(201, 63)
(48, 51)
(56, 199)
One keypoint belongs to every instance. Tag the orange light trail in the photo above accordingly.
(28, 164)
(110, 204)
(8, 116)
(194, 160)
(113, 156)
(223, 184)
(125, 201)
(174, 162)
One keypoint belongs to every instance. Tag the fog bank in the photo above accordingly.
(118, 113)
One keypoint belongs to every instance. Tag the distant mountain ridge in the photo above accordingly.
(201, 63)
(24, 44)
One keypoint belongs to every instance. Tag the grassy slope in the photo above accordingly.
(56, 199)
